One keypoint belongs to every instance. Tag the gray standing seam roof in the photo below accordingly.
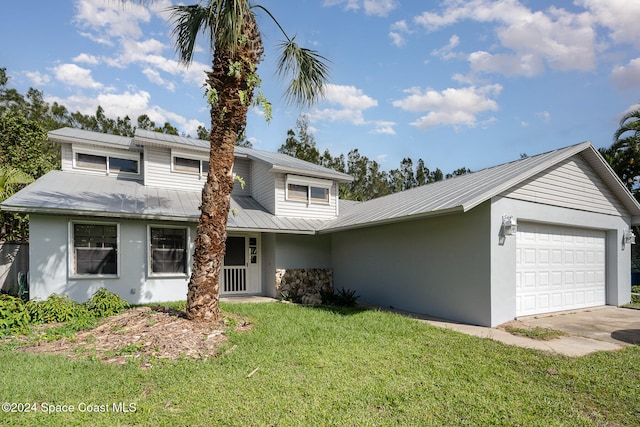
(463, 193)
(65, 193)
(70, 194)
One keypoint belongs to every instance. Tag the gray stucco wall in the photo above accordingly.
(303, 251)
(438, 266)
(503, 259)
(49, 264)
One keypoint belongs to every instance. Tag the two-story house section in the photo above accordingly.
(122, 214)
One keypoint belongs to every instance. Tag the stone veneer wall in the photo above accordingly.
(303, 284)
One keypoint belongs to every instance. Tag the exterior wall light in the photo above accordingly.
(509, 225)
(629, 237)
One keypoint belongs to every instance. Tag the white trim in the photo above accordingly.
(106, 153)
(187, 250)
(71, 251)
(189, 156)
(307, 182)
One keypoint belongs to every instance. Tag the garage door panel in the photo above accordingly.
(558, 268)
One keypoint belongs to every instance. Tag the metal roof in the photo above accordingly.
(94, 138)
(277, 162)
(65, 193)
(463, 193)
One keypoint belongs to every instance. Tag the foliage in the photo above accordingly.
(635, 290)
(13, 314)
(341, 298)
(10, 180)
(104, 303)
(624, 154)
(56, 308)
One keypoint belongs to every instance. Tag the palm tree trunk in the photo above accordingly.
(228, 118)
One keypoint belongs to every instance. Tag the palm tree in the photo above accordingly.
(235, 42)
(10, 180)
(624, 154)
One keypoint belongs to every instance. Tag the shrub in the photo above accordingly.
(342, 298)
(56, 308)
(13, 314)
(635, 290)
(104, 303)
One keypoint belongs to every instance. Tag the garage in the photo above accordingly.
(558, 268)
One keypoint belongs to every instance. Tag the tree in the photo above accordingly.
(305, 147)
(624, 154)
(458, 172)
(236, 45)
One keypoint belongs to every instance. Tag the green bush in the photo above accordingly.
(13, 314)
(56, 308)
(635, 290)
(104, 303)
(342, 298)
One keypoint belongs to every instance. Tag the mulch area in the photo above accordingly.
(145, 334)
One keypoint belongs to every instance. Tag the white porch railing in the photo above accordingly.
(233, 279)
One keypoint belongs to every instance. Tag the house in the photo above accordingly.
(545, 233)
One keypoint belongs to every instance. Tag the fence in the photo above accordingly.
(14, 265)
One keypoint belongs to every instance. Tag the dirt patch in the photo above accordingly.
(145, 334)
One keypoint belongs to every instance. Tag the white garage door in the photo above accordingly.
(558, 268)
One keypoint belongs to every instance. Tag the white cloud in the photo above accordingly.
(76, 76)
(154, 77)
(37, 78)
(105, 19)
(87, 59)
(398, 30)
(446, 52)
(379, 7)
(384, 128)
(348, 4)
(371, 7)
(545, 116)
(620, 17)
(450, 107)
(397, 38)
(350, 102)
(627, 76)
(128, 103)
(532, 39)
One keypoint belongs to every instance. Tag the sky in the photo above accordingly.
(456, 83)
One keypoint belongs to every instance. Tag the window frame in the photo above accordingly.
(72, 251)
(187, 251)
(309, 183)
(108, 155)
(202, 172)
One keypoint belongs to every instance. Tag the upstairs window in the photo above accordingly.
(308, 190)
(107, 163)
(189, 165)
(95, 249)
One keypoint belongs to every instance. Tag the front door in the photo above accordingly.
(241, 271)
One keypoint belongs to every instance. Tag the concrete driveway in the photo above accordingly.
(590, 330)
(611, 324)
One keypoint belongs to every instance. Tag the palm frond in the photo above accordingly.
(308, 72)
(10, 179)
(630, 122)
(188, 22)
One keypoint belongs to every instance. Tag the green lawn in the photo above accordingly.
(322, 367)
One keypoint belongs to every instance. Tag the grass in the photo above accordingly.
(536, 333)
(334, 367)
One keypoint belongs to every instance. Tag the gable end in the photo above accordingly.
(572, 184)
